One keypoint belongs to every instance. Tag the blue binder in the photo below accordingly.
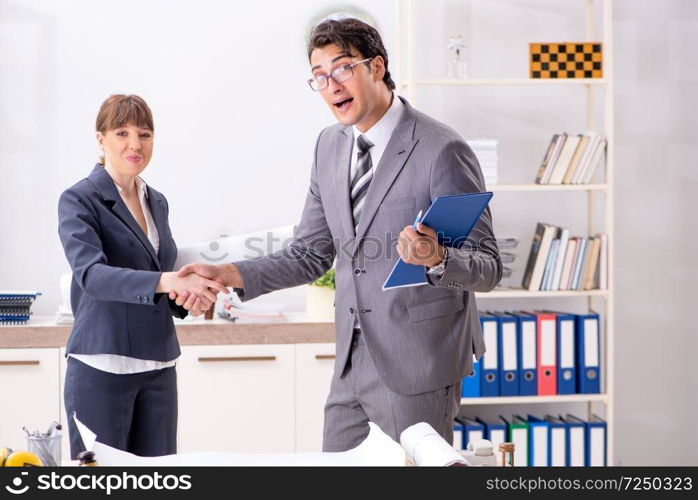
(566, 373)
(495, 431)
(458, 434)
(576, 440)
(588, 354)
(489, 371)
(471, 383)
(452, 217)
(557, 441)
(508, 355)
(528, 353)
(472, 431)
(596, 442)
(538, 447)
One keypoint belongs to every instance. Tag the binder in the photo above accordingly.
(595, 455)
(566, 373)
(470, 388)
(508, 355)
(528, 365)
(588, 354)
(547, 353)
(538, 430)
(472, 431)
(576, 440)
(452, 217)
(557, 441)
(495, 432)
(489, 377)
(458, 434)
(517, 429)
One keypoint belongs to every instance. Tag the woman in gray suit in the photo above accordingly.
(121, 379)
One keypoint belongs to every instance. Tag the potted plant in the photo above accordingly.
(319, 299)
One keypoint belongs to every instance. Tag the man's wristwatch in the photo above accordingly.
(439, 269)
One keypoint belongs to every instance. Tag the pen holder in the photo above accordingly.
(47, 448)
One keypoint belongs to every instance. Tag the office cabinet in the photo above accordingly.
(236, 398)
(314, 368)
(29, 392)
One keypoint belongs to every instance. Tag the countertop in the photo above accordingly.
(42, 331)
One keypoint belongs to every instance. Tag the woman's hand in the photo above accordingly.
(203, 290)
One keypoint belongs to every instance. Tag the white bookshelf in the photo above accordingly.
(411, 83)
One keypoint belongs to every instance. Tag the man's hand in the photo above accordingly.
(203, 291)
(420, 247)
(225, 274)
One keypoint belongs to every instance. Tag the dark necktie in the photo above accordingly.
(362, 178)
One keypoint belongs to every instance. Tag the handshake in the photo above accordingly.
(196, 286)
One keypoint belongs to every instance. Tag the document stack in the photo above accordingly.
(538, 353)
(549, 441)
(505, 246)
(486, 152)
(15, 306)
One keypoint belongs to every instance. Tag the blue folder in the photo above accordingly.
(489, 371)
(528, 353)
(596, 442)
(458, 434)
(472, 430)
(471, 383)
(508, 355)
(557, 441)
(538, 442)
(576, 440)
(566, 373)
(452, 217)
(588, 354)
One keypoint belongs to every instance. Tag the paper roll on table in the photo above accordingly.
(425, 447)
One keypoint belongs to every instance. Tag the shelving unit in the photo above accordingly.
(409, 85)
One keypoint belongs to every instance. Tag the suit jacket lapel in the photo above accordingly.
(159, 213)
(101, 179)
(394, 158)
(342, 159)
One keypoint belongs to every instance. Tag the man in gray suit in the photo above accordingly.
(401, 353)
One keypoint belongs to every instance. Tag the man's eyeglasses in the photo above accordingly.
(339, 74)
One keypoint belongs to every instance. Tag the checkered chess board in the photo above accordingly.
(565, 60)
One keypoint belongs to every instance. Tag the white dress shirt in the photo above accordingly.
(379, 135)
(114, 363)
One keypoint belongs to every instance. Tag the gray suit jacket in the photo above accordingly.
(420, 338)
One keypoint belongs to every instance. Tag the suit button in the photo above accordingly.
(138, 298)
(351, 309)
(357, 272)
(145, 299)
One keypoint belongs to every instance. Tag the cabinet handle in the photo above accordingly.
(19, 362)
(325, 356)
(239, 358)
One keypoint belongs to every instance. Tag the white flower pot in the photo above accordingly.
(319, 302)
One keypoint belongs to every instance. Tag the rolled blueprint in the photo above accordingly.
(425, 447)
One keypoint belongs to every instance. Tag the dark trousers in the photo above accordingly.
(136, 413)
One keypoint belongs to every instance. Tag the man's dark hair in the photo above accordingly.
(347, 33)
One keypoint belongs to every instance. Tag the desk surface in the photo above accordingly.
(42, 331)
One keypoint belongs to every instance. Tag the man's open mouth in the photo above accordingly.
(344, 104)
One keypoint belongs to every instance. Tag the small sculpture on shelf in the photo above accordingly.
(458, 66)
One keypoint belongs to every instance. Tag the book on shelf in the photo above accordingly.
(571, 158)
(563, 161)
(559, 262)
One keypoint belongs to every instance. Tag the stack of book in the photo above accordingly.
(571, 158)
(15, 306)
(559, 261)
(486, 152)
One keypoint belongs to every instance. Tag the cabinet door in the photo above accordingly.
(236, 398)
(314, 368)
(29, 392)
